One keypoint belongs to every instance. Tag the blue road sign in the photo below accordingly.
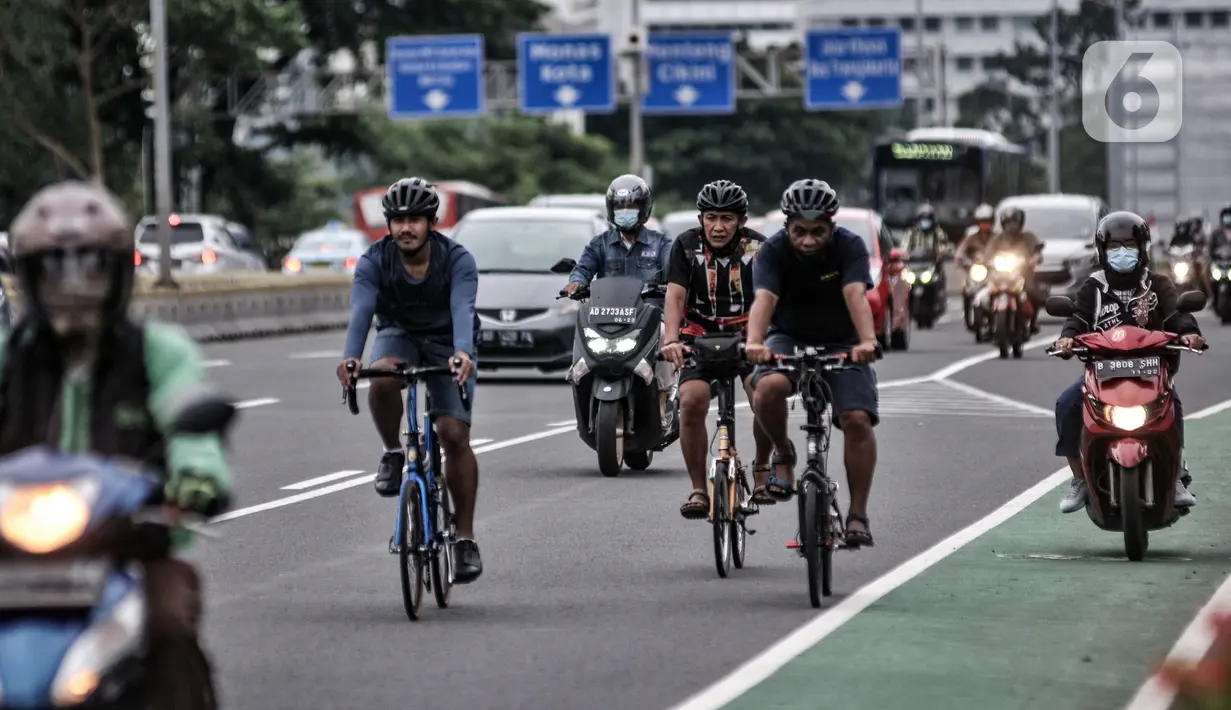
(853, 68)
(438, 76)
(690, 72)
(558, 72)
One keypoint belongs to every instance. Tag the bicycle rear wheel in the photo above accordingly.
(408, 553)
(720, 489)
(810, 537)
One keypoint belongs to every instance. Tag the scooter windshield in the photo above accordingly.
(614, 300)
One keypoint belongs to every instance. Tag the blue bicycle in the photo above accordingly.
(425, 530)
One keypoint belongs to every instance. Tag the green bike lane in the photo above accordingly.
(1040, 611)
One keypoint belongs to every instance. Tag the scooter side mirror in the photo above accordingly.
(1190, 302)
(1059, 306)
(564, 266)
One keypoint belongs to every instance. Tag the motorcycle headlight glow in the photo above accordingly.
(978, 272)
(1180, 269)
(1006, 261)
(908, 276)
(41, 518)
(1125, 418)
(1215, 273)
(97, 650)
(598, 344)
(926, 277)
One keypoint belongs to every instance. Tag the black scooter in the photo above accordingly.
(1220, 283)
(615, 395)
(928, 298)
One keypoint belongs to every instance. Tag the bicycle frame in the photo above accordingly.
(818, 431)
(424, 477)
(725, 434)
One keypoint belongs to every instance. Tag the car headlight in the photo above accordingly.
(599, 344)
(1006, 261)
(41, 518)
(1181, 269)
(978, 272)
(1126, 418)
(97, 650)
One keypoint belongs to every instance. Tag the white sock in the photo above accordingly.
(395, 450)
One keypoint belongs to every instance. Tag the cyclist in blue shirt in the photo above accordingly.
(811, 283)
(421, 286)
(629, 249)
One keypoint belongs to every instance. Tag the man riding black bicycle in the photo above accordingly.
(811, 284)
(421, 287)
(709, 292)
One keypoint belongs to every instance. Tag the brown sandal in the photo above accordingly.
(697, 507)
(759, 495)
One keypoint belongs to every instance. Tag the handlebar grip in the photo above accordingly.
(352, 398)
(461, 387)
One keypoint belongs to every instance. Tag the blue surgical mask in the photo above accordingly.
(1123, 259)
(626, 219)
(925, 224)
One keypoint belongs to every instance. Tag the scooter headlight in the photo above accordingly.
(41, 518)
(104, 644)
(1215, 273)
(1125, 418)
(1006, 261)
(1181, 270)
(926, 277)
(908, 276)
(599, 344)
(978, 273)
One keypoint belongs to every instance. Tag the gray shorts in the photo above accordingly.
(419, 351)
(853, 390)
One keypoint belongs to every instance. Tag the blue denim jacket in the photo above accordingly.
(606, 255)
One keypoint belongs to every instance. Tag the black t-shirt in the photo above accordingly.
(811, 307)
(720, 290)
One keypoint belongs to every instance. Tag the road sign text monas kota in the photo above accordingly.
(565, 62)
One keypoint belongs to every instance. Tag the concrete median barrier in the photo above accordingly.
(243, 305)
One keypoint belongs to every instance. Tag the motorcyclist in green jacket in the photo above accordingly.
(78, 375)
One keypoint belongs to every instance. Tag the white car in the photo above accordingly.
(199, 244)
(1066, 225)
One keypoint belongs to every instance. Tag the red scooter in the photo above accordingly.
(1129, 430)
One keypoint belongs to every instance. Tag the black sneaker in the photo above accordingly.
(466, 561)
(389, 473)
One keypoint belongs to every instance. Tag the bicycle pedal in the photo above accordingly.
(794, 545)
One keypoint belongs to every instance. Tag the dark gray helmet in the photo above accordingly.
(809, 199)
(411, 197)
(1013, 214)
(1119, 225)
(1224, 217)
(723, 196)
(925, 211)
(630, 190)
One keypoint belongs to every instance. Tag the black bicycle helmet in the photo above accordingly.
(809, 199)
(630, 190)
(1119, 225)
(1013, 214)
(723, 196)
(411, 197)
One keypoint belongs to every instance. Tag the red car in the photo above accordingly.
(890, 298)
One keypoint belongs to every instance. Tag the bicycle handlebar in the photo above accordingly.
(813, 357)
(409, 375)
(651, 290)
(690, 360)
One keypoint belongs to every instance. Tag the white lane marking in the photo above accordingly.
(480, 442)
(1197, 639)
(993, 397)
(319, 480)
(345, 485)
(250, 403)
(217, 363)
(563, 422)
(571, 426)
(316, 355)
(769, 661)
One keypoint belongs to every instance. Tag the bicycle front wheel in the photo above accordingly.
(810, 512)
(442, 558)
(408, 553)
(720, 490)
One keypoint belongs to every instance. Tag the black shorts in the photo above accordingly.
(688, 374)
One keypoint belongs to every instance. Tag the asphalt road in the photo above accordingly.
(596, 593)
